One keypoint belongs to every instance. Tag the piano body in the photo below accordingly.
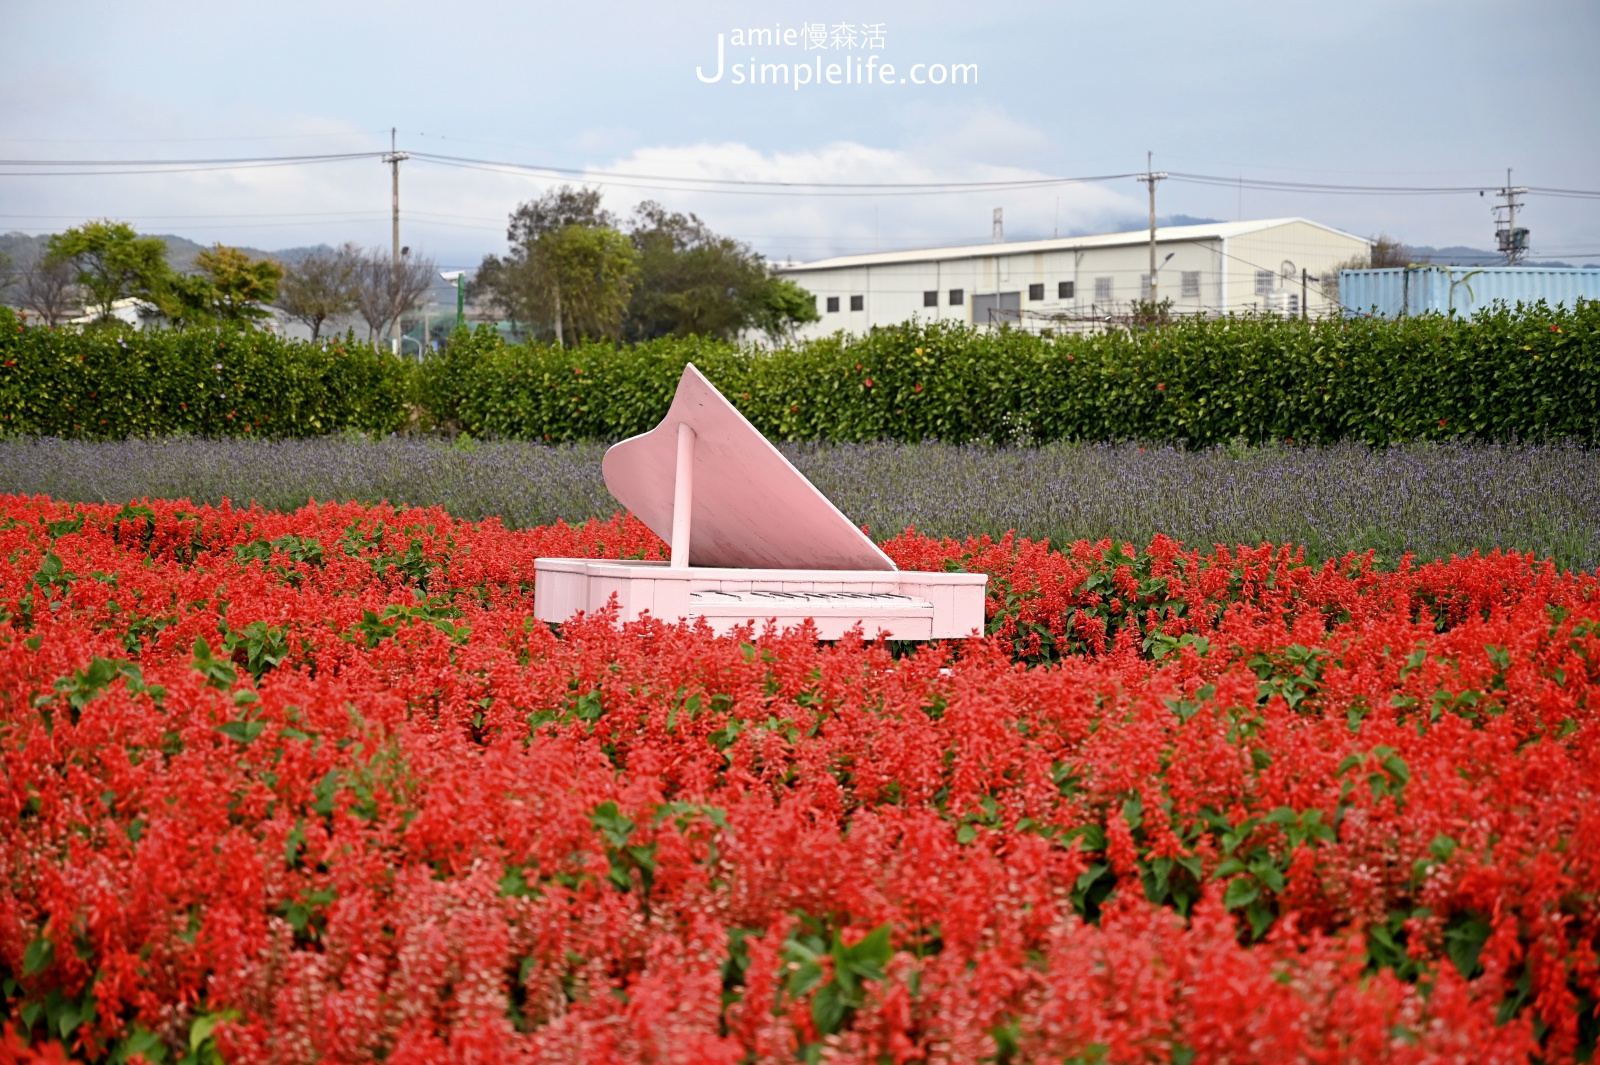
(752, 540)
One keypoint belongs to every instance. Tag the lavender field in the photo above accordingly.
(1430, 499)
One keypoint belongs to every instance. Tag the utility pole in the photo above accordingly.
(394, 159)
(1150, 177)
(1513, 242)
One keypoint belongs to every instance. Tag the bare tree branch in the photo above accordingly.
(320, 286)
(385, 290)
(50, 288)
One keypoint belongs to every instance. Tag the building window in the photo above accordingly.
(957, 297)
(833, 304)
(1102, 289)
(930, 298)
(1264, 279)
(1191, 284)
(1064, 290)
(858, 303)
(1036, 292)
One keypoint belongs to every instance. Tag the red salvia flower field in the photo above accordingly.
(315, 787)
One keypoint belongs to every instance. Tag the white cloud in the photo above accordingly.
(808, 224)
(458, 214)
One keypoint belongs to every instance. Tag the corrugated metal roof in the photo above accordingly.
(1164, 234)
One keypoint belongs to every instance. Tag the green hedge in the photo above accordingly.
(110, 383)
(1528, 373)
(1524, 373)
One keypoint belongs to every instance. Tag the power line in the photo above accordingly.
(177, 170)
(976, 186)
(717, 184)
(184, 140)
(597, 176)
(235, 161)
(1270, 185)
(169, 217)
(748, 187)
(1585, 194)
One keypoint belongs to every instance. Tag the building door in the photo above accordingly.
(992, 308)
(1011, 306)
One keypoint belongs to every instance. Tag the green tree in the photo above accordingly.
(583, 277)
(185, 300)
(779, 306)
(113, 262)
(569, 272)
(693, 281)
(240, 284)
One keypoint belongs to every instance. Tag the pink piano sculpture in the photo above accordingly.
(752, 541)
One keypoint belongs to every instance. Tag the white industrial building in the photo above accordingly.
(1079, 282)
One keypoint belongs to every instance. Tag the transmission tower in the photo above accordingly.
(1513, 242)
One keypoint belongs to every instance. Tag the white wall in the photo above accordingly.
(892, 293)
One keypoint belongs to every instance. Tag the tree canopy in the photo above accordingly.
(240, 284)
(569, 272)
(572, 271)
(113, 262)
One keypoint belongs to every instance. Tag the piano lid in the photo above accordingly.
(751, 507)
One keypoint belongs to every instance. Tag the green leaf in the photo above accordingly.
(140, 1042)
(1092, 835)
(828, 1008)
(1464, 943)
(1241, 892)
(587, 706)
(1229, 867)
(1260, 917)
(204, 1026)
(41, 953)
(873, 952)
(245, 730)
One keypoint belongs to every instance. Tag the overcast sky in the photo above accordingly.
(1355, 93)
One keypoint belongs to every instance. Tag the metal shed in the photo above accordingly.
(1464, 290)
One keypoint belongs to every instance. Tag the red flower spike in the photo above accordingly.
(389, 816)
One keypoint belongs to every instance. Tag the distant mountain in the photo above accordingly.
(1459, 255)
(181, 252)
(21, 248)
(290, 256)
(1131, 223)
